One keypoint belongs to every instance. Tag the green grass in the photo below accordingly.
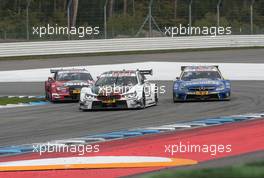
(251, 170)
(42, 57)
(5, 101)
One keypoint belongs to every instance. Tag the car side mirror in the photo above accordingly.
(177, 78)
(50, 79)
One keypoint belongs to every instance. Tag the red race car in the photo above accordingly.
(66, 84)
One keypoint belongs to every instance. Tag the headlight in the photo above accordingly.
(221, 87)
(89, 96)
(182, 87)
(61, 88)
(178, 86)
(228, 86)
(130, 95)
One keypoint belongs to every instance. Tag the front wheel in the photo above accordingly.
(174, 98)
(156, 98)
(50, 98)
(46, 95)
(143, 102)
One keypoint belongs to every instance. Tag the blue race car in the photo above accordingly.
(201, 83)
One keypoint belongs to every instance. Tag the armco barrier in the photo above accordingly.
(128, 44)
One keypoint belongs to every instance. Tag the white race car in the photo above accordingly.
(123, 89)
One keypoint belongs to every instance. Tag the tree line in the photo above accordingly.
(124, 17)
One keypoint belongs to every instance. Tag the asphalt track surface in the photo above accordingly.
(64, 120)
(59, 121)
(227, 56)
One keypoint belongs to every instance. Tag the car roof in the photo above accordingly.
(199, 68)
(70, 71)
(120, 73)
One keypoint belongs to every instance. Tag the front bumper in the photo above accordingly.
(215, 95)
(65, 97)
(118, 104)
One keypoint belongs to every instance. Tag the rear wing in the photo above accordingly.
(146, 72)
(53, 71)
(184, 67)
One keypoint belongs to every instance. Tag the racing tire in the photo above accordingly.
(175, 100)
(156, 99)
(80, 109)
(50, 98)
(227, 99)
(143, 102)
(46, 95)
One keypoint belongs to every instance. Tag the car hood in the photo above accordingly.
(70, 83)
(112, 89)
(202, 82)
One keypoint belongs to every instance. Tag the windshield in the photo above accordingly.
(192, 75)
(73, 76)
(119, 81)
